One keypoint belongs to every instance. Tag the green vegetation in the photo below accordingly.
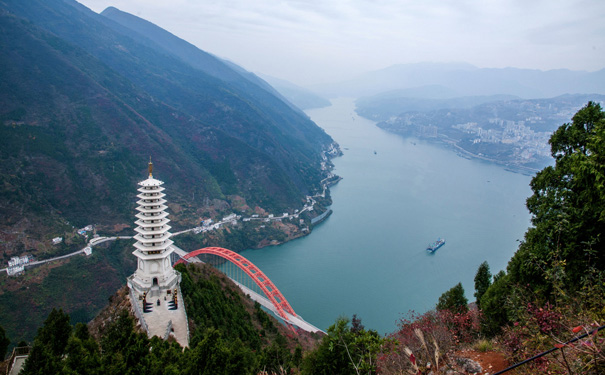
(483, 279)
(247, 235)
(453, 300)
(555, 281)
(80, 285)
(347, 349)
(483, 345)
(84, 103)
(229, 336)
(4, 342)
(563, 253)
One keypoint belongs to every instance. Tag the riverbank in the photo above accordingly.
(369, 257)
(515, 168)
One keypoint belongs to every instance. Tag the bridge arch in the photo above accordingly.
(273, 294)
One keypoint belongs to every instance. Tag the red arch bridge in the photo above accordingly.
(272, 300)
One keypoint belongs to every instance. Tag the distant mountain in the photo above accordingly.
(384, 106)
(85, 101)
(301, 97)
(468, 80)
(157, 38)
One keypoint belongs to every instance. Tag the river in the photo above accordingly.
(397, 195)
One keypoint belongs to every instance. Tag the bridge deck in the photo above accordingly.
(294, 320)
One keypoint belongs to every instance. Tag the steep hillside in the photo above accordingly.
(229, 335)
(79, 285)
(301, 97)
(85, 103)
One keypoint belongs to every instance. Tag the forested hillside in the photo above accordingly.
(86, 101)
(229, 335)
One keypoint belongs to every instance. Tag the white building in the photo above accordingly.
(155, 286)
(57, 240)
(19, 261)
(230, 217)
(154, 272)
(15, 270)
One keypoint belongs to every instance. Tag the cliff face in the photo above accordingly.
(85, 101)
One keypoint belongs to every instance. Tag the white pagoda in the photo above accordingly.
(154, 273)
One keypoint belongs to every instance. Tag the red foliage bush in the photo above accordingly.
(423, 342)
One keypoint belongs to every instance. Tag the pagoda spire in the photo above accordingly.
(150, 167)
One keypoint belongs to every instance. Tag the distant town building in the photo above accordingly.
(230, 217)
(14, 271)
(57, 240)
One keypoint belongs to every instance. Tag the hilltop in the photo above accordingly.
(228, 334)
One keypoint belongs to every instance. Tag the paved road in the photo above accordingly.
(92, 242)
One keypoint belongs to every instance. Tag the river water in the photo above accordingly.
(397, 195)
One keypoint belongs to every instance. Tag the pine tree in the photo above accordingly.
(483, 279)
(4, 341)
(453, 300)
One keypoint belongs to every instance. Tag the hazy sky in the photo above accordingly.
(314, 41)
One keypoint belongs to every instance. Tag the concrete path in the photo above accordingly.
(157, 320)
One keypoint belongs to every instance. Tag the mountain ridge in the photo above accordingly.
(470, 80)
(84, 107)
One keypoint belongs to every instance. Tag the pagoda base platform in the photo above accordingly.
(161, 316)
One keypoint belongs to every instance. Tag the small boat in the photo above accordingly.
(435, 245)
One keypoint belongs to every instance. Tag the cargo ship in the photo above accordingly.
(435, 245)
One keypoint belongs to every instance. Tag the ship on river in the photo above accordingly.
(435, 245)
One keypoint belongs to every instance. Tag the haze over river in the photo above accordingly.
(397, 195)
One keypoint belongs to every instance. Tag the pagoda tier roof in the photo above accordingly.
(141, 223)
(156, 209)
(143, 255)
(151, 190)
(160, 247)
(151, 182)
(141, 238)
(151, 202)
(151, 194)
(159, 216)
(151, 230)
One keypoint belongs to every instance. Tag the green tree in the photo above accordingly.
(41, 361)
(55, 332)
(453, 300)
(345, 350)
(49, 345)
(82, 353)
(212, 356)
(4, 342)
(483, 279)
(494, 303)
(567, 207)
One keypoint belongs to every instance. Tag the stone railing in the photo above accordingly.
(137, 310)
(168, 330)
